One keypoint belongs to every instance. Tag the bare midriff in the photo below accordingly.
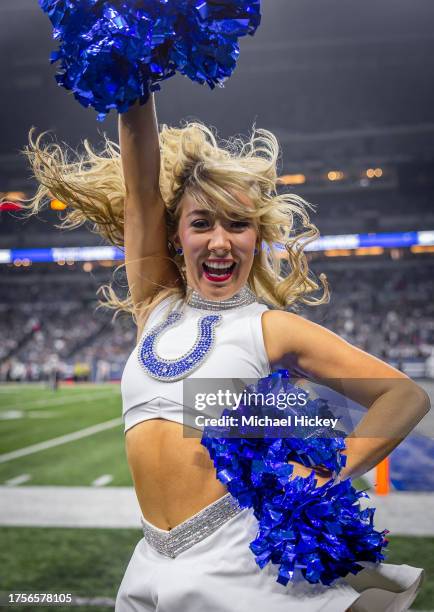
(173, 475)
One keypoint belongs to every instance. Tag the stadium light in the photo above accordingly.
(57, 205)
(335, 175)
(292, 179)
(369, 251)
(338, 253)
(422, 249)
(373, 173)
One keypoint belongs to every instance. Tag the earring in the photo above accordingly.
(256, 251)
(180, 251)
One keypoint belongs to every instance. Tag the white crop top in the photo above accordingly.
(238, 353)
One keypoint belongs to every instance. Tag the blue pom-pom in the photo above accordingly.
(320, 531)
(113, 53)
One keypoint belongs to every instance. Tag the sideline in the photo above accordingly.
(406, 514)
(76, 435)
(69, 507)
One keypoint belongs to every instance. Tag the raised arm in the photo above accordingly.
(148, 265)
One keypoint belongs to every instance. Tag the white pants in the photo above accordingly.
(219, 574)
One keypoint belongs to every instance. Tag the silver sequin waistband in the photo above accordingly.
(201, 525)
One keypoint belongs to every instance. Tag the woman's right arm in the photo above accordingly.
(147, 258)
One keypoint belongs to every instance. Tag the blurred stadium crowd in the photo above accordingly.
(51, 323)
(387, 312)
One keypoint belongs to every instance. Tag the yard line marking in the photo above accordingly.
(102, 481)
(76, 435)
(11, 414)
(22, 414)
(61, 401)
(13, 482)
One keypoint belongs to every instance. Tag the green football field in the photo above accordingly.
(32, 415)
(74, 437)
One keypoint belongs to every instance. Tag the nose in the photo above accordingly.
(219, 241)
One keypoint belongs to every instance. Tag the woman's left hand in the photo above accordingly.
(305, 472)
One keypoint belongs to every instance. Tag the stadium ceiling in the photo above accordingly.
(314, 71)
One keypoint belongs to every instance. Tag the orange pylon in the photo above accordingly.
(382, 480)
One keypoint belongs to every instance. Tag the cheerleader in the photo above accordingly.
(198, 219)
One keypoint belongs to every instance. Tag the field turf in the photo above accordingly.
(35, 414)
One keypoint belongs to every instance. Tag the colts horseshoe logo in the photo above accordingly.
(173, 369)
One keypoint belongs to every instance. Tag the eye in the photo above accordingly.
(200, 223)
(240, 224)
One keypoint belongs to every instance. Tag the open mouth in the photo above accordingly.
(219, 272)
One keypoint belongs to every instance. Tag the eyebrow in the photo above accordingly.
(209, 213)
(199, 211)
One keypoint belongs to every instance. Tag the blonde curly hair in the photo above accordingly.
(194, 161)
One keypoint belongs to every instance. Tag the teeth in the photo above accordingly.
(218, 266)
(218, 269)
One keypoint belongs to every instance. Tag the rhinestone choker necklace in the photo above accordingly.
(244, 297)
